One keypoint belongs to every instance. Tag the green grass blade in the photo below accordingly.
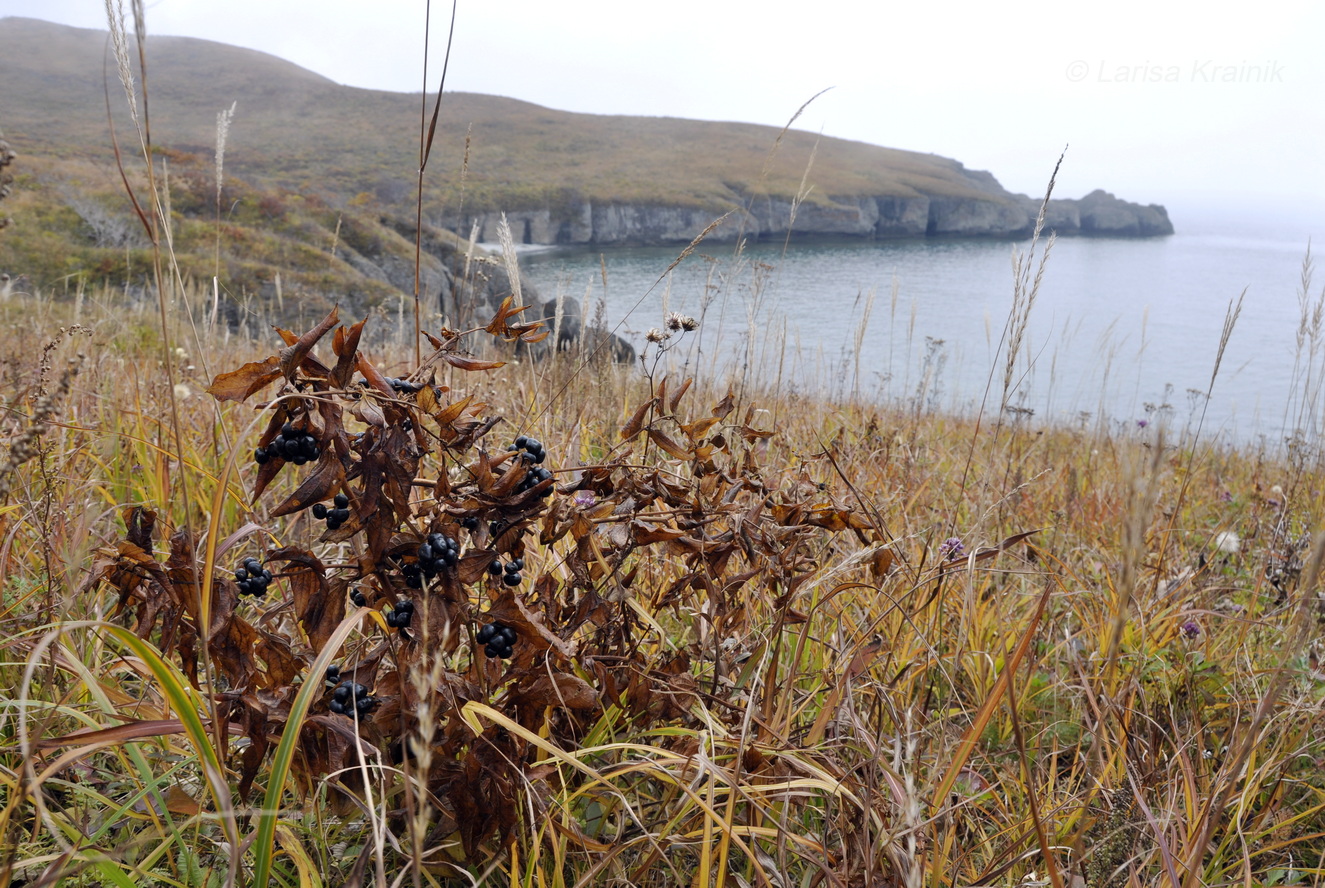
(186, 705)
(265, 841)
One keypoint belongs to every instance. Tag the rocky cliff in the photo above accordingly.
(1100, 214)
(876, 217)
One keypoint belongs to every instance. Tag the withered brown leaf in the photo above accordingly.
(498, 325)
(557, 689)
(314, 606)
(695, 430)
(646, 532)
(636, 421)
(326, 478)
(374, 376)
(671, 447)
(462, 363)
(345, 344)
(238, 385)
(292, 356)
(680, 391)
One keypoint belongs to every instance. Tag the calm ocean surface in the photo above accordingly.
(1117, 324)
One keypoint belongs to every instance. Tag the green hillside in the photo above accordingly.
(301, 131)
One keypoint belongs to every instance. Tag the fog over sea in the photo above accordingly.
(1120, 327)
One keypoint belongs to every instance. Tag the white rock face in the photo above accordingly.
(992, 213)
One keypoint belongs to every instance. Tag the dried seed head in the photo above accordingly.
(676, 322)
(45, 410)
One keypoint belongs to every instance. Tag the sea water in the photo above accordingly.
(1123, 331)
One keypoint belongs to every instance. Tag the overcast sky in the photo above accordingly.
(1174, 103)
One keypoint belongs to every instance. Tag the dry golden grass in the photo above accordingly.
(894, 716)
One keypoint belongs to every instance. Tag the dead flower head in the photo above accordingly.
(677, 321)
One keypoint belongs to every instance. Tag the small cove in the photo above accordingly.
(1119, 328)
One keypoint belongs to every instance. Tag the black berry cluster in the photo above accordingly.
(413, 576)
(531, 451)
(291, 445)
(404, 386)
(510, 574)
(333, 674)
(357, 598)
(399, 616)
(400, 386)
(470, 523)
(253, 578)
(436, 553)
(350, 698)
(498, 640)
(336, 516)
(537, 475)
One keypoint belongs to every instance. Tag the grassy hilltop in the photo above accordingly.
(310, 607)
(299, 131)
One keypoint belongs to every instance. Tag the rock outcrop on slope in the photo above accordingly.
(995, 213)
(1100, 214)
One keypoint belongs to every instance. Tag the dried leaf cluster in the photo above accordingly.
(694, 532)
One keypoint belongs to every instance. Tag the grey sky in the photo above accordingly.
(1168, 103)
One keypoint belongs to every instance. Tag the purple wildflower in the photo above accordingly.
(951, 548)
(1142, 423)
(1226, 496)
(1190, 629)
(584, 498)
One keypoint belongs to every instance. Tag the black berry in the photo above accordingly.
(399, 616)
(253, 579)
(497, 639)
(298, 447)
(351, 698)
(436, 553)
